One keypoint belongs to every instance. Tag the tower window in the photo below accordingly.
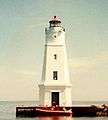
(55, 75)
(55, 56)
(54, 36)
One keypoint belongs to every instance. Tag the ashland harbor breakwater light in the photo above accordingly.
(55, 86)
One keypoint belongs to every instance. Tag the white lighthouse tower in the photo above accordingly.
(55, 86)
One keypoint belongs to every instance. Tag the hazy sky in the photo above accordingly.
(22, 38)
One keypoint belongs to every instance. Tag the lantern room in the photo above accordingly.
(55, 22)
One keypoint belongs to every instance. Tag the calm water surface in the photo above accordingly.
(7, 112)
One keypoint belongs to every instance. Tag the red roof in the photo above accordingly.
(55, 18)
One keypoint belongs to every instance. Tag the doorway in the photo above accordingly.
(55, 98)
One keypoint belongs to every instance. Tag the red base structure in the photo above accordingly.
(49, 112)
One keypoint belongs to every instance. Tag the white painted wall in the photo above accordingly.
(55, 44)
(55, 31)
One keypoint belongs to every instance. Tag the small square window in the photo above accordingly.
(55, 56)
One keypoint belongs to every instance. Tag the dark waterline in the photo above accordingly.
(7, 111)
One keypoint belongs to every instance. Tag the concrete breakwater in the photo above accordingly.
(77, 111)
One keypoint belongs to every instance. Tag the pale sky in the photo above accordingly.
(22, 38)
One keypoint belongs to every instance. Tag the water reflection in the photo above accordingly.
(55, 118)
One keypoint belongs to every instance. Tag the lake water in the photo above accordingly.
(7, 112)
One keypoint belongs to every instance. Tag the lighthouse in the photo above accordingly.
(55, 86)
